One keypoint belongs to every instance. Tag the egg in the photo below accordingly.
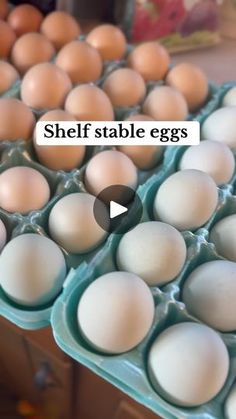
(165, 103)
(230, 97)
(8, 76)
(211, 157)
(191, 81)
(139, 117)
(223, 235)
(31, 280)
(59, 157)
(60, 28)
(107, 168)
(25, 18)
(209, 294)
(186, 199)
(188, 364)
(221, 126)
(144, 157)
(109, 40)
(3, 9)
(89, 103)
(16, 120)
(125, 87)
(72, 223)
(31, 49)
(23, 189)
(3, 235)
(8, 37)
(111, 307)
(152, 250)
(45, 86)
(230, 404)
(151, 60)
(80, 61)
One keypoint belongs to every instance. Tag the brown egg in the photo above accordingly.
(8, 76)
(165, 103)
(23, 189)
(144, 157)
(16, 120)
(80, 61)
(89, 103)
(191, 81)
(30, 49)
(151, 60)
(45, 86)
(25, 18)
(7, 39)
(109, 40)
(3, 9)
(60, 28)
(125, 87)
(59, 157)
(139, 117)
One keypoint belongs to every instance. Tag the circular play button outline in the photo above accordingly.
(118, 209)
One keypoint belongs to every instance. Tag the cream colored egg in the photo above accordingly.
(45, 86)
(152, 250)
(111, 307)
(37, 274)
(31, 49)
(221, 126)
(72, 223)
(89, 103)
(230, 97)
(186, 199)
(80, 61)
(16, 120)
(188, 364)
(107, 168)
(23, 189)
(165, 103)
(25, 18)
(125, 87)
(230, 404)
(151, 60)
(8, 76)
(109, 40)
(209, 294)
(3, 235)
(8, 37)
(59, 157)
(223, 235)
(211, 157)
(144, 157)
(191, 81)
(60, 28)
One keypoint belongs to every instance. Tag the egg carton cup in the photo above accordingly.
(14, 92)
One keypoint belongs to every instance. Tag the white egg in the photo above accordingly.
(221, 126)
(154, 251)
(32, 270)
(223, 235)
(230, 404)
(230, 98)
(72, 223)
(116, 312)
(188, 364)
(209, 294)
(211, 157)
(186, 199)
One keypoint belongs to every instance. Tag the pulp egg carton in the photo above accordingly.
(128, 371)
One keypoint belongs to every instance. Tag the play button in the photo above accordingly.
(122, 210)
(116, 209)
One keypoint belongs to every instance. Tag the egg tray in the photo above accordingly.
(128, 371)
